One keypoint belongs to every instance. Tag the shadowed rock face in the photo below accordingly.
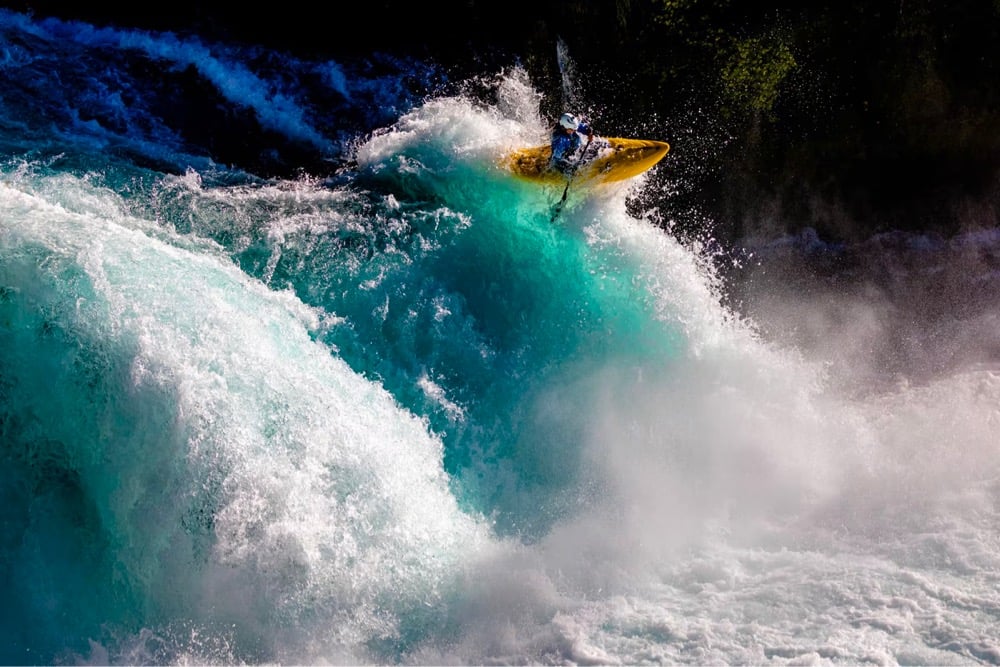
(857, 118)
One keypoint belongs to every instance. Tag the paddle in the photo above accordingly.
(572, 175)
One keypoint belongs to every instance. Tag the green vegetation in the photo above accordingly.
(753, 74)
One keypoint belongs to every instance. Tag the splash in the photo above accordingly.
(568, 78)
(186, 433)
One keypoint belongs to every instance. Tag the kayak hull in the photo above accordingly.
(609, 159)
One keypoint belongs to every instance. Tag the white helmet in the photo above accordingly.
(569, 121)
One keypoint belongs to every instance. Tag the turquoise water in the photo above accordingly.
(308, 395)
(396, 414)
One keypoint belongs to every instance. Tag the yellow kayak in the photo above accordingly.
(607, 159)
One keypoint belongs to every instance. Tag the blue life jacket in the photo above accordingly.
(565, 147)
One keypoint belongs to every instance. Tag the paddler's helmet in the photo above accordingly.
(569, 121)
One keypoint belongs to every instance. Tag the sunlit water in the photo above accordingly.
(399, 415)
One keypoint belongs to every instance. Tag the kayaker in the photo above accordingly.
(567, 137)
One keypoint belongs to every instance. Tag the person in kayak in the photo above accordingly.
(567, 137)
